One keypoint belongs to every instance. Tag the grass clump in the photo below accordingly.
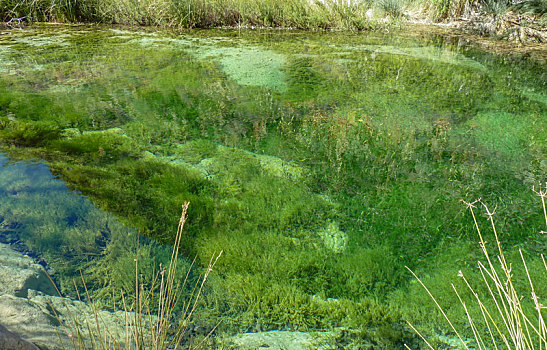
(500, 315)
(157, 315)
(302, 14)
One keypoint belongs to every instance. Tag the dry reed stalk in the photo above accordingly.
(153, 330)
(508, 324)
(145, 329)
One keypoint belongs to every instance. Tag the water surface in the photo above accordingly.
(320, 163)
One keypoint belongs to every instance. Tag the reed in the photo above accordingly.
(156, 317)
(507, 322)
(301, 14)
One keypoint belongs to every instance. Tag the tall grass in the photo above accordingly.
(157, 317)
(393, 8)
(508, 321)
(302, 14)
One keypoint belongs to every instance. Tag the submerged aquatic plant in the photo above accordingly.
(173, 125)
(156, 318)
(508, 321)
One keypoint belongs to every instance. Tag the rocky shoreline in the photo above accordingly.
(24, 313)
(32, 316)
(32, 313)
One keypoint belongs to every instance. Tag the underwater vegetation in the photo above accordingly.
(320, 178)
(513, 319)
(69, 234)
(157, 315)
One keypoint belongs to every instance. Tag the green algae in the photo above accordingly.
(261, 68)
(500, 132)
(6, 63)
(320, 173)
(442, 55)
(287, 170)
(202, 155)
(47, 40)
(538, 96)
(333, 238)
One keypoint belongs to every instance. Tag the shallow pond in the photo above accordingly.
(320, 163)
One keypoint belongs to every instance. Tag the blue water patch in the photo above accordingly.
(19, 177)
(46, 213)
(66, 231)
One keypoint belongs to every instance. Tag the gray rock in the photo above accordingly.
(19, 273)
(31, 321)
(11, 341)
(338, 338)
(49, 321)
(30, 309)
(273, 340)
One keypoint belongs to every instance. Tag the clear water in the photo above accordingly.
(320, 163)
(65, 231)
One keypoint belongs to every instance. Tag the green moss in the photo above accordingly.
(110, 143)
(195, 151)
(500, 133)
(27, 134)
(265, 305)
(147, 193)
(303, 79)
